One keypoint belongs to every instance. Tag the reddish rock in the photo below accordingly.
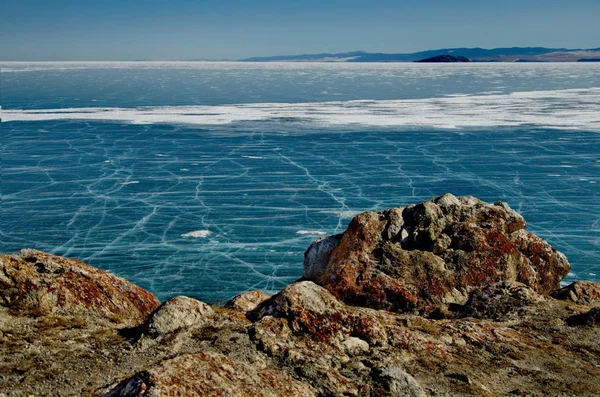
(582, 292)
(312, 310)
(210, 374)
(37, 283)
(430, 254)
(308, 308)
(247, 301)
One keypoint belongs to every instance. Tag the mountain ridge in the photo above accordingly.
(503, 54)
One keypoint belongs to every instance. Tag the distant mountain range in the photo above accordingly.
(514, 54)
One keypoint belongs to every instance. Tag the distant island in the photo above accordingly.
(513, 54)
(444, 59)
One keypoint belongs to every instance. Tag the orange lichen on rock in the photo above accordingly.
(38, 283)
(430, 254)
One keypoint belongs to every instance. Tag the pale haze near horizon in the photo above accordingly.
(35, 30)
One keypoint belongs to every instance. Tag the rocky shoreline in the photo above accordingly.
(450, 297)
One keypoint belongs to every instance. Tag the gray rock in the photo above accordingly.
(593, 316)
(176, 314)
(498, 300)
(317, 256)
(355, 346)
(393, 381)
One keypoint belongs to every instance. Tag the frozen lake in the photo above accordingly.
(208, 179)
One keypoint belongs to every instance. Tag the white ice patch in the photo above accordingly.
(563, 109)
(346, 214)
(311, 232)
(197, 234)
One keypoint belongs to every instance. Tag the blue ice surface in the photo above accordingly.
(212, 210)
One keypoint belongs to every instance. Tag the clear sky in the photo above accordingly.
(233, 29)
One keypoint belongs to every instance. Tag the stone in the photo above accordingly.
(209, 374)
(307, 307)
(355, 346)
(422, 256)
(582, 292)
(178, 313)
(498, 300)
(247, 301)
(36, 283)
(589, 318)
(393, 381)
(317, 255)
(593, 316)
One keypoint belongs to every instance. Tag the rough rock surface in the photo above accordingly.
(178, 313)
(307, 341)
(395, 382)
(584, 292)
(498, 300)
(593, 316)
(422, 256)
(307, 308)
(210, 374)
(38, 283)
(247, 301)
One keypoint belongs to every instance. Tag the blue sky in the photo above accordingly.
(186, 29)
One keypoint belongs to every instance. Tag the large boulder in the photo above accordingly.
(430, 254)
(209, 374)
(36, 283)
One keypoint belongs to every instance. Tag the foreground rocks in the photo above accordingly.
(210, 374)
(393, 313)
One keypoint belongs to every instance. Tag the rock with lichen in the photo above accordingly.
(307, 307)
(209, 374)
(37, 283)
(419, 257)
